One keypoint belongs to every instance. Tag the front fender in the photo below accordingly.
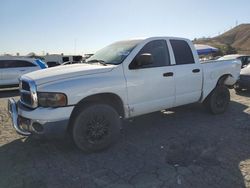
(77, 89)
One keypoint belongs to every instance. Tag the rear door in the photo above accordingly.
(188, 73)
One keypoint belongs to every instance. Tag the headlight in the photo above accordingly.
(52, 99)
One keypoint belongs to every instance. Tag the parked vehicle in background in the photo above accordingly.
(244, 81)
(123, 80)
(58, 59)
(12, 68)
(203, 49)
(245, 59)
(70, 63)
(86, 56)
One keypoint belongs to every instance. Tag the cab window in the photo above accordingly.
(182, 52)
(158, 50)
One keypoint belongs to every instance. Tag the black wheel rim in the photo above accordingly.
(97, 129)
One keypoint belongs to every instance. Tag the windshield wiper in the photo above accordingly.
(97, 61)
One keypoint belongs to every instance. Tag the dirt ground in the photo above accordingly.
(185, 147)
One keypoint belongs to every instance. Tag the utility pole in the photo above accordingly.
(75, 46)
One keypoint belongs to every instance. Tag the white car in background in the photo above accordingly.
(12, 68)
(245, 59)
(244, 81)
(53, 60)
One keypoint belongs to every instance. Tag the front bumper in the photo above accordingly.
(42, 126)
(12, 108)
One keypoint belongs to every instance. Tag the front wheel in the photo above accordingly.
(96, 127)
(217, 102)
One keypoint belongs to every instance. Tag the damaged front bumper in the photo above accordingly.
(25, 126)
(12, 108)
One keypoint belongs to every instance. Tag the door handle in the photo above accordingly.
(168, 74)
(22, 70)
(196, 70)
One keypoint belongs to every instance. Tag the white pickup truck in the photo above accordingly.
(123, 80)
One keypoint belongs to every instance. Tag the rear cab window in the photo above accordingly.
(182, 52)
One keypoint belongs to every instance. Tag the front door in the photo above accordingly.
(151, 87)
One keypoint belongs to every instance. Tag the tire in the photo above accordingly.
(96, 127)
(217, 102)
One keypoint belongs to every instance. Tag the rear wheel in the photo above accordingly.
(217, 102)
(96, 127)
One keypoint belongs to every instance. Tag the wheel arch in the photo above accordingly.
(220, 81)
(102, 98)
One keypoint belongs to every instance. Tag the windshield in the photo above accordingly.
(114, 53)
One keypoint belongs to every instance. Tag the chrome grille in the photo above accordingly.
(28, 94)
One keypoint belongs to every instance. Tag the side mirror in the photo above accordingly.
(144, 59)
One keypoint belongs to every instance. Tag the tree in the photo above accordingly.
(225, 50)
(228, 49)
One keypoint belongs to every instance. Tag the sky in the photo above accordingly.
(81, 26)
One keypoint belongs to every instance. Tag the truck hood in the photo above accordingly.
(67, 71)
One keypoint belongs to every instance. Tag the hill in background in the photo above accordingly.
(232, 41)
